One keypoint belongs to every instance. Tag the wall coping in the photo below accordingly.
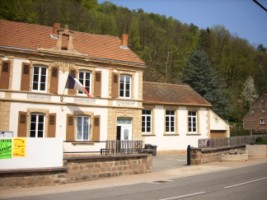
(35, 170)
(105, 157)
(211, 150)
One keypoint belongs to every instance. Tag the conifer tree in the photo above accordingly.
(200, 75)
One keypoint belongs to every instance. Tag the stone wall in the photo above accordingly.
(201, 156)
(79, 168)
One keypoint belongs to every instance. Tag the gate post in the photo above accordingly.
(188, 155)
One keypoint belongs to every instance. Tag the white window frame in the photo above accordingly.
(125, 88)
(146, 121)
(170, 121)
(81, 134)
(192, 121)
(40, 120)
(262, 121)
(37, 78)
(87, 83)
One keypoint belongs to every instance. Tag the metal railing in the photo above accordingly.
(122, 147)
(228, 142)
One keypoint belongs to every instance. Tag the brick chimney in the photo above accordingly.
(56, 27)
(124, 40)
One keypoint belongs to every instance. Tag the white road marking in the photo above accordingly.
(183, 196)
(239, 184)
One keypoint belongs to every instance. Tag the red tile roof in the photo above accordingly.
(172, 94)
(33, 36)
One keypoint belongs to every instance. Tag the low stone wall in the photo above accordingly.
(79, 168)
(91, 168)
(201, 156)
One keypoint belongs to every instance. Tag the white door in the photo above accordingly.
(125, 129)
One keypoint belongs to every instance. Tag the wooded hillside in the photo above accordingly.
(167, 46)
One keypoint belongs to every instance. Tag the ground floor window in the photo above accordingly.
(37, 124)
(170, 121)
(146, 121)
(83, 125)
(192, 121)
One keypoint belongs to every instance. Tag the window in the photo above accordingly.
(169, 121)
(262, 121)
(39, 78)
(82, 128)
(85, 80)
(37, 124)
(146, 121)
(192, 121)
(125, 86)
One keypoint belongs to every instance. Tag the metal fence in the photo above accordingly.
(122, 147)
(228, 142)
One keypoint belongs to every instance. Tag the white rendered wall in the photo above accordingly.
(40, 153)
(181, 139)
(217, 123)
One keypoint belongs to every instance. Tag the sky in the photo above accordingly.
(242, 18)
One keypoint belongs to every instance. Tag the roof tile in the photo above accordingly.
(33, 36)
(172, 94)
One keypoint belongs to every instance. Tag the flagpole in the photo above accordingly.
(62, 95)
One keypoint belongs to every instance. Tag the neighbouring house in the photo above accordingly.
(175, 116)
(36, 61)
(256, 118)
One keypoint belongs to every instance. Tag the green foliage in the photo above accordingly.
(165, 44)
(261, 140)
(200, 75)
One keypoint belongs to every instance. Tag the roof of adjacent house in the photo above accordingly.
(172, 94)
(32, 36)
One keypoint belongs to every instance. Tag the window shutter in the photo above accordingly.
(22, 124)
(72, 73)
(52, 125)
(25, 77)
(97, 86)
(54, 80)
(96, 128)
(5, 73)
(70, 128)
(115, 85)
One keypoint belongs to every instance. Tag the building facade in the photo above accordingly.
(35, 64)
(256, 118)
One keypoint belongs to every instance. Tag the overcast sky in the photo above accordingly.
(243, 18)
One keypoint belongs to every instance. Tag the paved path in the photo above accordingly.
(158, 174)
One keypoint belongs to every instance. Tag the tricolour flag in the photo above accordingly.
(73, 83)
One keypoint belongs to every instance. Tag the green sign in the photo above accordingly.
(5, 148)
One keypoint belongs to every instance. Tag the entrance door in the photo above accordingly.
(124, 129)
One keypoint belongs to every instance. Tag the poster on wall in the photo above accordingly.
(19, 147)
(5, 148)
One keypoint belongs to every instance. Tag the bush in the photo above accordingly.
(261, 140)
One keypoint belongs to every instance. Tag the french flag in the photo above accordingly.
(73, 83)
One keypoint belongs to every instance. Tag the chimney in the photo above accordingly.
(56, 27)
(124, 40)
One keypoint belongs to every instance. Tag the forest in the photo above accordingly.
(225, 69)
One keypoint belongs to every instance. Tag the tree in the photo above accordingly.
(249, 92)
(200, 75)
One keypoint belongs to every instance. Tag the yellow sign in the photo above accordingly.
(19, 147)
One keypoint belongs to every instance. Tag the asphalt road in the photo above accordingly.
(244, 183)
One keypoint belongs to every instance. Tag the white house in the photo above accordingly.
(175, 116)
(35, 63)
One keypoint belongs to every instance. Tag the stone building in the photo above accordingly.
(35, 63)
